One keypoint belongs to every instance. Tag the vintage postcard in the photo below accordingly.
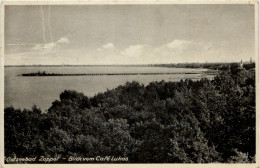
(135, 84)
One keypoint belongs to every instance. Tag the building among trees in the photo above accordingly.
(241, 64)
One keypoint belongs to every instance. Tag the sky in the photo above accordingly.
(128, 34)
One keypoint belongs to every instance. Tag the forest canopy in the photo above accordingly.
(201, 121)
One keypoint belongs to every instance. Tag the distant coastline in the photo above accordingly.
(67, 65)
(112, 74)
(215, 65)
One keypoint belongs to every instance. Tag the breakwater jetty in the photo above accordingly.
(105, 74)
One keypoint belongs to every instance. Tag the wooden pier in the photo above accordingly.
(107, 74)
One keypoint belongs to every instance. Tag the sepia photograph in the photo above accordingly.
(130, 83)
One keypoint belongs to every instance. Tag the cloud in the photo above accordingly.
(177, 50)
(172, 52)
(135, 50)
(178, 44)
(63, 40)
(39, 52)
(50, 46)
(44, 47)
(108, 45)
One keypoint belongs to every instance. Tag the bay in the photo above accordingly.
(24, 92)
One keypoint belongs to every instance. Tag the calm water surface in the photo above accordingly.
(24, 92)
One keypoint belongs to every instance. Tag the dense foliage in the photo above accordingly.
(176, 122)
(214, 66)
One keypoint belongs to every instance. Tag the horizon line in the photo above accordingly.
(126, 64)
